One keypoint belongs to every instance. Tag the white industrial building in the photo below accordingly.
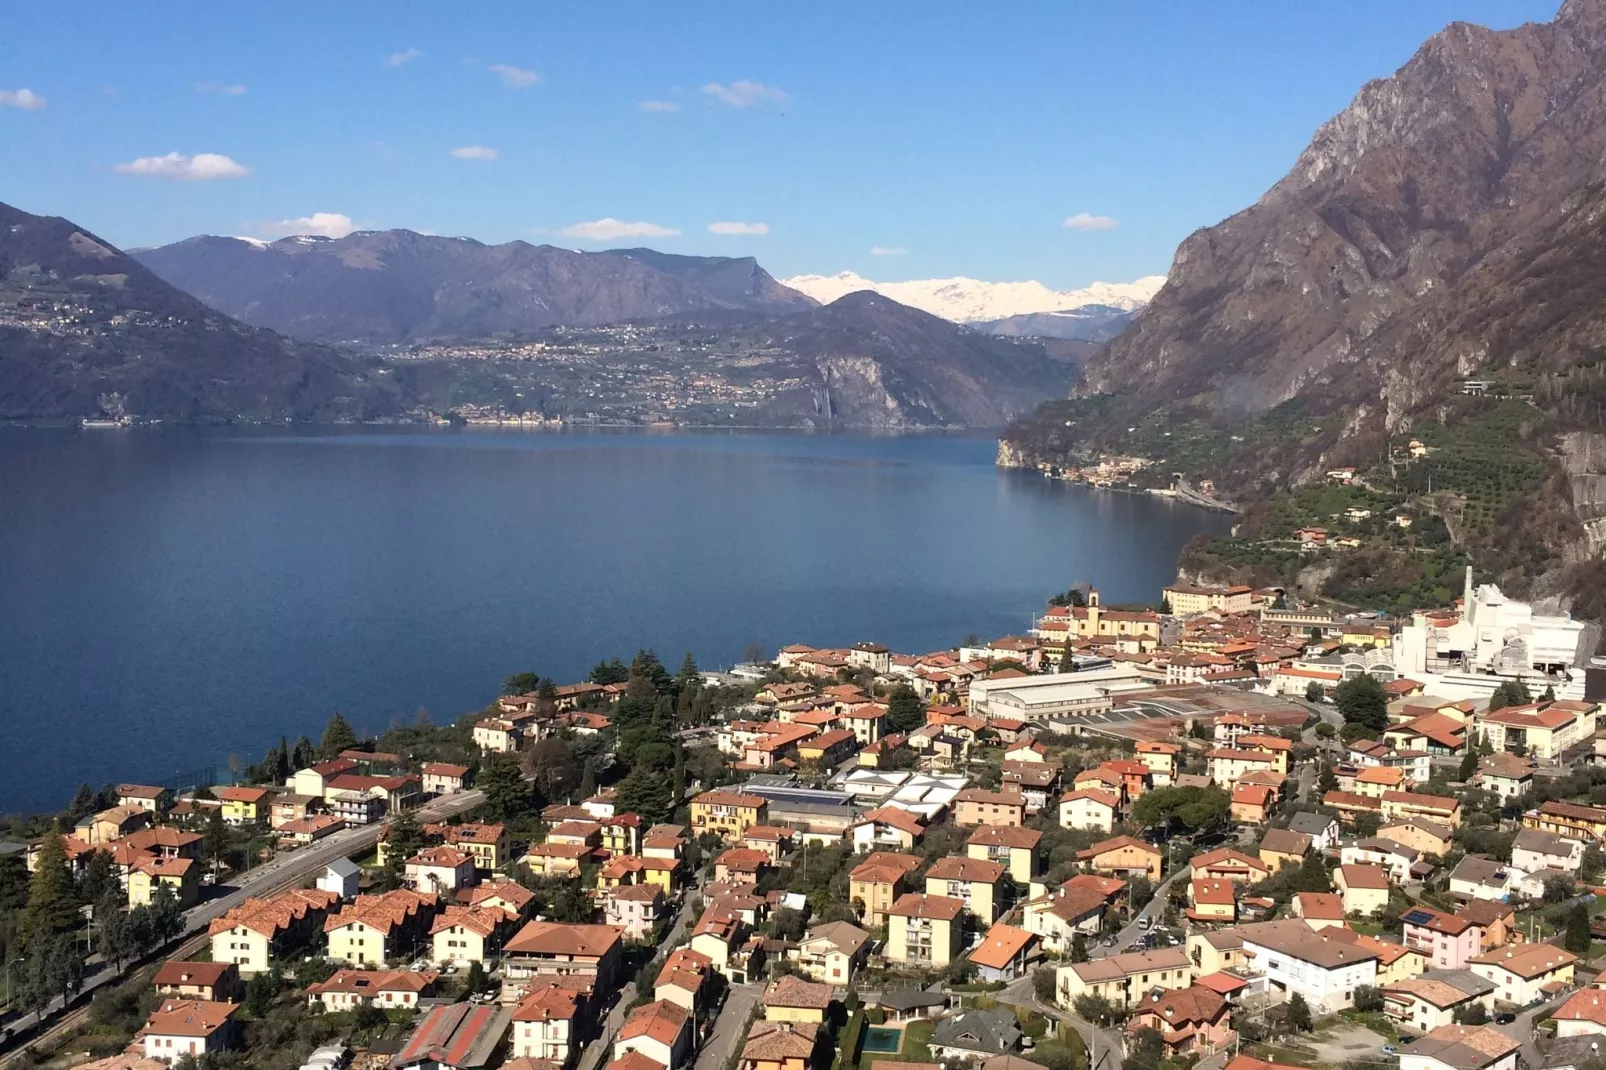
(1037, 698)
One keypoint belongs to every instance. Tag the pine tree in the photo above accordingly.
(507, 794)
(52, 899)
(646, 793)
(1577, 939)
(905, 713)
(1299, 1014)
(403, 839)
(337, 737)
(305, 754)
(83, 803)
(688, 678)
(612, 671)
(114, 934)
(646, 666)
(1469, 765)
(215, 837)
(99, 875)
(281, 763)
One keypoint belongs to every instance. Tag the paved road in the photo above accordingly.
(598, 1051)
(1154, 909)
(730, 1027)
(283, 871)
(1523, 1030)
(1104, 1045)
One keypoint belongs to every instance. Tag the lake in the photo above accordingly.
(171, 595)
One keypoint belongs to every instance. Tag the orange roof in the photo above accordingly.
(241, 794)
(1320, 906)
(548, 1005)
(959, 868)
(1004, 836)
(895, 816)
(364, 982)
(934, 907)
(728, 798)
(1416, 798)
(1370, 877)
(790, 991)
(1103, 798)
(1002, 945)
(1214, 892)
(660, 1020)
(189, 1018)
(559, 938)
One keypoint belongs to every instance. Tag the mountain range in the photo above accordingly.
(398, 286)
(965, 300)
(86, 330)
(1442, 236)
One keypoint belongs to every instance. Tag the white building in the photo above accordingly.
(1535, 849)
(1293, 957)
(1037, 698)
(340, 877)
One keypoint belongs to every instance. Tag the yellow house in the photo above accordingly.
(556, 859)
(831, 951)
(1160, 757)
(181, 875)
(877, 882)
(621, 834)
(727, 814)
(973, 881)
(1365, 889)
(1123, 856)
(922, 930)
(1428, 837)
(1522, 972)
(1276, 746)
(1568, 819)
(1229, 764)
(1212, 900)
(470, 934)
(243, 805)
(1016, 848)
(1284, 847)
(792, 999)
(1214, 951)
(1440, 808)
(1374, 780)
(487, 844)
(1124, 980)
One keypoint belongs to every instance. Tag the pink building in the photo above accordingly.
(1450, 942)
(636, 908)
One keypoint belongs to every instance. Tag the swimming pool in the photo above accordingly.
(882, 1039)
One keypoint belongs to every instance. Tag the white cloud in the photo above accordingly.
(26, 99)
(514, 77)
(738, 228)
(745, 94)
(328, 224)
(887, 250)
(1087, 221)
(401, 59)
(202, 167)
(610, 229)
(475, 152)
(234, 90)
(658, 105)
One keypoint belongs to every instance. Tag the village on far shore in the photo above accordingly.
(1235, 832)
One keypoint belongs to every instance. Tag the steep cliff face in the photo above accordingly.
(1448, 222)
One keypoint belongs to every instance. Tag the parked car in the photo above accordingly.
(1390, 1049)
(1504, 1018)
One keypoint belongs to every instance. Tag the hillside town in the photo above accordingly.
(1237, 832)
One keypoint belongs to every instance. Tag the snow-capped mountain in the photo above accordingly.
(968, 300)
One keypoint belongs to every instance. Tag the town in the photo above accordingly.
(1236, 831)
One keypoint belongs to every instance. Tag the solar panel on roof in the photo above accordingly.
(1417, 917)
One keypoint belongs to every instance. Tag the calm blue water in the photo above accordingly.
(169, 596)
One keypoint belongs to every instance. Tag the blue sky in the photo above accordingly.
(962, 134)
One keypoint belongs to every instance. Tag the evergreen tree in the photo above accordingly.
(646, 666)
(114, 936)
(1485, 748)
(167, 920)
(1362, 700)
(403, 839)
(52, 899)
(1298, 1014)
(281, 763)
(215, 838)
(612, 671)
(1577, 939)
(83, 803)
(588, 779)
(1469, 765)
(475, 980)
(647, 793)
(1549, 695)
(337, 737)
(507, 794)
(305, 754)
(1509, 693)
(521, 683)
(1313, 876)
(553, 767)
(260, 991)
(99, 875)
(688, 678)
(905, 712)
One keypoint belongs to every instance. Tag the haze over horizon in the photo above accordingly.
(1066, 148)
